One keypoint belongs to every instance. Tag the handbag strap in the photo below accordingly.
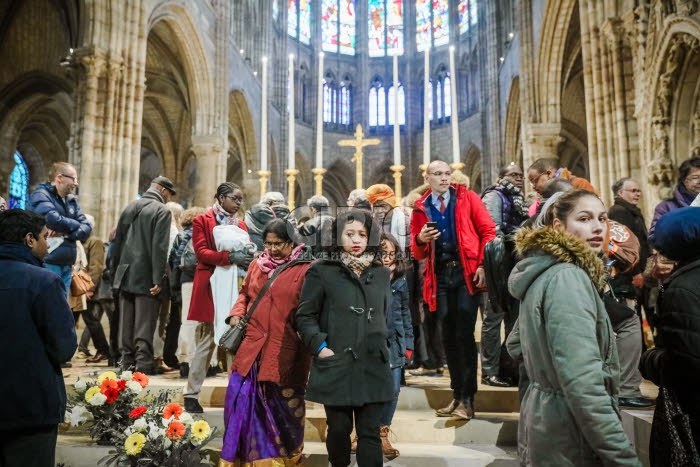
(264, 290)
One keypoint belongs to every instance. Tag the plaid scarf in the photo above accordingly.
(223, 217)
(515, 194)
(357, 264)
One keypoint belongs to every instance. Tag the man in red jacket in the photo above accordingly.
(450, 228)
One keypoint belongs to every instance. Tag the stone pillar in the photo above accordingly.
(209, 153)
(542, 140)
(492, 110)
(528, 110)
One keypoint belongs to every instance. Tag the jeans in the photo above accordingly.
(458, 309)
(29, 447)
(390, 406)
(369, 446)
(64, 272)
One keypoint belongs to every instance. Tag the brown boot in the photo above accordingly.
(389, 451)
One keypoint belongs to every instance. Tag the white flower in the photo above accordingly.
(126, 375)
(134, 386)
(155, 432)
(80, 385)
(79, 415)
(98, 399)
(129, 431)
(140, 425)
(167, 443)
(186, 419)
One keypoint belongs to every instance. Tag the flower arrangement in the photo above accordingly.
(143, 431)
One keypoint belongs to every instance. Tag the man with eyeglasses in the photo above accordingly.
(141, 248)
(65, 221)
(628, 287)
(449, 228)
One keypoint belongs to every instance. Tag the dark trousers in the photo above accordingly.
(172, 331)
(491, 346)
(29, 447)
(369, 446)
(138, 315)
(93, 318)
(458, 310)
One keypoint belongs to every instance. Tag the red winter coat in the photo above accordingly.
(474, 228)
(202, 304)
(271, 332)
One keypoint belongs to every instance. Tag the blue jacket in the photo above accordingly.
(37, 334)
(62, 216)
(398, 324)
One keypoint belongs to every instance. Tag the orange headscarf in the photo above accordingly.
(381, 192)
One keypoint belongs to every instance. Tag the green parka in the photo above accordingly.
(569, 415)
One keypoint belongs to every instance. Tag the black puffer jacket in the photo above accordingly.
(348, 313)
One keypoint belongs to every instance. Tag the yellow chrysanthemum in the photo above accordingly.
(134, 444)
(107, 375)
(91, 392)
(200, 430)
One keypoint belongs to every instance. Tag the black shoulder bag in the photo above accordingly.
(232, 338)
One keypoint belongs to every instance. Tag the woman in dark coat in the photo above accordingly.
(342, 320)
(264, 409)
(677, 355)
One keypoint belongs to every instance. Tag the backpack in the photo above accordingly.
(188, 261)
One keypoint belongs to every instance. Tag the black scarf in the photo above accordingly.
(515, 194)
(629, 206)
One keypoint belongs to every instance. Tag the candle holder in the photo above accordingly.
(291, 183)
(318, 177)
(264, 175)
(457, 167)
(424, 169)
(397, 169)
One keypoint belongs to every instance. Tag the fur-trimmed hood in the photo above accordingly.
(545, 247)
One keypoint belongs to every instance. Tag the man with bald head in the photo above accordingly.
(450, 228)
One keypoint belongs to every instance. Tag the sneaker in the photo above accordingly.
(212, 371)
(422, 372)
(192, 405)
(184, 370)
(83, 354)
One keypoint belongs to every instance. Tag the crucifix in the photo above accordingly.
(358, 143)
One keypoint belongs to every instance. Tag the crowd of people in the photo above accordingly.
(340, 303)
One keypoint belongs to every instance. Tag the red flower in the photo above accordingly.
(121, 385)
(107, 384)
(172, 410)
(138, 411)
(140, 378)
(175, 430)
(112, 394)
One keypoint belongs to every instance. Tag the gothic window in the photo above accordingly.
(402, 104)
(337, 102)
(338, 26)
(385, 27)
(377, 104)
(275, 10)
(299, 20)
(467, 15)
(432, 23)
(430, 98)
(440, 97)
(19, 184)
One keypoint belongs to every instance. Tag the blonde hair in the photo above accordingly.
(176, 210)
(188, 215)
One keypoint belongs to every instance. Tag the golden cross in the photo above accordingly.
(358, 143)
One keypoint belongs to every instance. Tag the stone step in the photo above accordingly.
(79, 451)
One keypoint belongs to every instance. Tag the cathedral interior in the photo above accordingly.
(129, 89)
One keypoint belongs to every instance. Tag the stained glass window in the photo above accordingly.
(345, 104)
(373, 103)
(305, 21)
(275, 10)
(381, 106)
(402, 105)
(438, 100)
(292, 17)
(347, 27)
(448, 96)
(385, 27)
(336, 101)
(472, 12)
(432, 23)
(327, 117)
(19, 184)
(430, 99)
(338, 26)
(329, 25)
(463, 16)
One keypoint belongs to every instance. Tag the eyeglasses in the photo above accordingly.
(440, 174)
(634, 190)
(275, 245)
(235, 199)
(75, 179)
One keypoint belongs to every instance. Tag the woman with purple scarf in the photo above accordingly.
(264, 408)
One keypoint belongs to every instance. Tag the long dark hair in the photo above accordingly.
(373, 233)
(283, 229)
(400, 264)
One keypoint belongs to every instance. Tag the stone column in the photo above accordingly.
(542, 140)
(492, 110)
(209, 153)
(528, 112)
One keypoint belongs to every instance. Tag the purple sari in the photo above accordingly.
(264, 422)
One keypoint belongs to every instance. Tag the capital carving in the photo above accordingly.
(660, 168)
(686, 7)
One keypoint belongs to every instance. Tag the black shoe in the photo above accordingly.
(212, 371)
(495, 380)
(636, 402)
(184, 370)
(192, 405)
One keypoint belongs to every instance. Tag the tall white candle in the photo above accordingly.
(263, 118)
(426, 108)
(319, 115)
(455, 112)
(397, 138)
(290, 140)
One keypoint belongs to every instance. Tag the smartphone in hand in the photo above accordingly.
(431, 225)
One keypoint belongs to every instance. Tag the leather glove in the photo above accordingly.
(241, 258)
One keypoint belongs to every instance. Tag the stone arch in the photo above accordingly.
(337, 185)
(472, 167)
(195, 60)
(242, 131)
(550, 58)
(513, 147)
